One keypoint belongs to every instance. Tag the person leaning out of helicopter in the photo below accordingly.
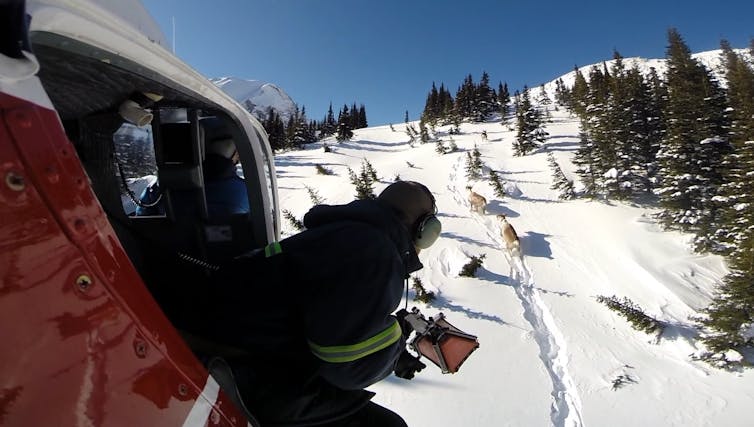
(313, 313)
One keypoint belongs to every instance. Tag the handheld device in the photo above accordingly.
(439, 341)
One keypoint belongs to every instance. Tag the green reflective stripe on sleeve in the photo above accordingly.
(272, 249)
(349, 353)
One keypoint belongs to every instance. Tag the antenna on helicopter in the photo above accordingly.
(173, 18)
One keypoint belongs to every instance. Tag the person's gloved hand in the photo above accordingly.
(408, 365)
(406, 327)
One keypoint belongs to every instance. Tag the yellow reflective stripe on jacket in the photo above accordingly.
(349, 353)
(272, 249)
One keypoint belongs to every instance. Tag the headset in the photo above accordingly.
(428, 227)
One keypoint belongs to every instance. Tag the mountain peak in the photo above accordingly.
(257, 96)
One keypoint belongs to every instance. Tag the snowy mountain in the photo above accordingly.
(257, 96)
(712, 60)
(551, 354)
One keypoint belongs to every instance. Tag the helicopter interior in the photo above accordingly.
(175, 250)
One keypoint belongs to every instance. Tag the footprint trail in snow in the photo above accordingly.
(566, 405)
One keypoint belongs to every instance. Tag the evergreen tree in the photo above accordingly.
(579, 93)
(405, 119)
(290, 131)
(465, 97)
(692, 151)
(432, 105)
(584, 159)
(329, 125)
(296, 223)
(314, 196)
(735, 198)
(503, 101)
(423, 132)
(345, 131)
(452, 147)
(497, 184)
(633, 313)
(275, 129)
(311, 131)
(615, 121)
(412, 134)
(560, 182)
(656, 123)
(562, 94)
(364, 181)
(643, 138)
(472, 172)
(469, 269)
(730, 318)
(544, 98)
(371, 172)
(483, 103)
(478, 164)
(298, 132)
(445, 104)
(530, 132)
(625, 126)
(420, 293)
(599, 128)
(440, 147)
(362, 117)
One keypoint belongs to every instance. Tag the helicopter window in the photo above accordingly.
(135, 159)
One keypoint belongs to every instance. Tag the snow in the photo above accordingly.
(549, 354)
(261, 94)
(712, 60)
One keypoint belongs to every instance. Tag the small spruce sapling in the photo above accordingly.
(473, 169)
(633, 313)
(295, 222)
(323, 170)
(363, 181)
(469, 270)
(497, 185)
(559, 181)
(423, 133)
(412, 134)
(370, 170)
(478, 163)
(452, 147)
(622, 380)
(314, 196)
(440, 147)
(421, 294)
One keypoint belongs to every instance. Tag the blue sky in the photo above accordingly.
(385, 54)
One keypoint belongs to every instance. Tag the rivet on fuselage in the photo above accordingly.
(15, 181)
(83, 282)
(140, 348)
(214, 417)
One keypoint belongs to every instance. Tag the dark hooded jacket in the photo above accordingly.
(317, 317)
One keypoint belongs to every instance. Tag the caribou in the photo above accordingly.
(477, 202)
(508, 233)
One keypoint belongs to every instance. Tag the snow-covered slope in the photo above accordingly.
(550, 354)
(712, 60)
(257, 96)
